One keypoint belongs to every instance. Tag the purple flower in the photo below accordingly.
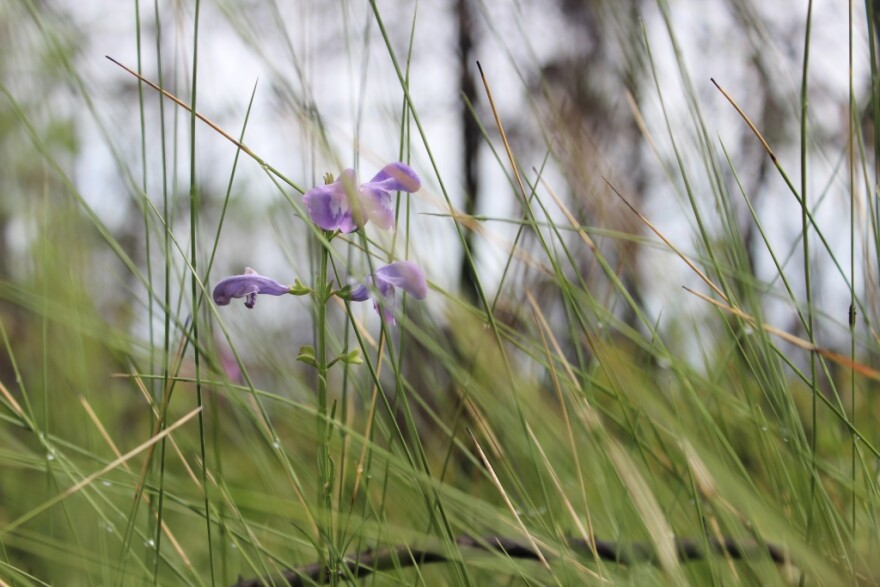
(404, 274)
(344, 206)
(247, 286)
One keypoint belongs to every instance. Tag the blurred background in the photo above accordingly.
(591, 94)
(572, 83)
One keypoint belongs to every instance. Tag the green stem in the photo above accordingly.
(325, 466)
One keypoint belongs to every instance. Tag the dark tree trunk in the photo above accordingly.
(470, 135)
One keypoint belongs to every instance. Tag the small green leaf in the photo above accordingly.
(307, 355)
(350, 358)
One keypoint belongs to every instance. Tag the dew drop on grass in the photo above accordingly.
(276, 445)
(106, 483)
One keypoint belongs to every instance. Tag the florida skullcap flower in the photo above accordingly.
(247, 286)
(343, 205)
(403, 274)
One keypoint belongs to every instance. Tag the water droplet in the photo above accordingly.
(748, 330)
(785, 439)
(763, 428)
(106, 483)
(233, 546)
(50, 457)
(150, 543)
(276, 445)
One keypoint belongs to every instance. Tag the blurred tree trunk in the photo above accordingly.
(470, 138)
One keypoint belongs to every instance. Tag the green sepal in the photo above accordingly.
(307, 355)
(300, 289)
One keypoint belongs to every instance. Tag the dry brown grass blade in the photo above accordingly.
(568, 215)
(788, 337)
(507, 148)
(497, 482)
(175, 544)
(587, 536)
(668, 243)
(97, 474)
(12, 403)
(215, 127)
(748, 122)
(374, 399)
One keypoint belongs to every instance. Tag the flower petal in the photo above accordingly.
(376, 193)
(406, 275)
(329, 206)
(247, 286)
(397, 177)
(362, 292)
(385, 307)
(378, 205)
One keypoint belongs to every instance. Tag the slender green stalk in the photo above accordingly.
(872, 195)
(148, 256)
(166, 248)
(325, 464)
(166, 355)
(196, 290)
(808, 286)
(851, 131)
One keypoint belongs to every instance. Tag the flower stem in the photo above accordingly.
(325, 465)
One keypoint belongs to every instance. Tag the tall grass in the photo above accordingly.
(574, 426)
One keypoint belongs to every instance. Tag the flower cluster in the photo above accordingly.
(344, 206)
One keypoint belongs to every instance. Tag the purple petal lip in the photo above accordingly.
(247, 286)
(403, 274)
(378, 205)
(407, 275)
(344, 206)
(397, 177)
